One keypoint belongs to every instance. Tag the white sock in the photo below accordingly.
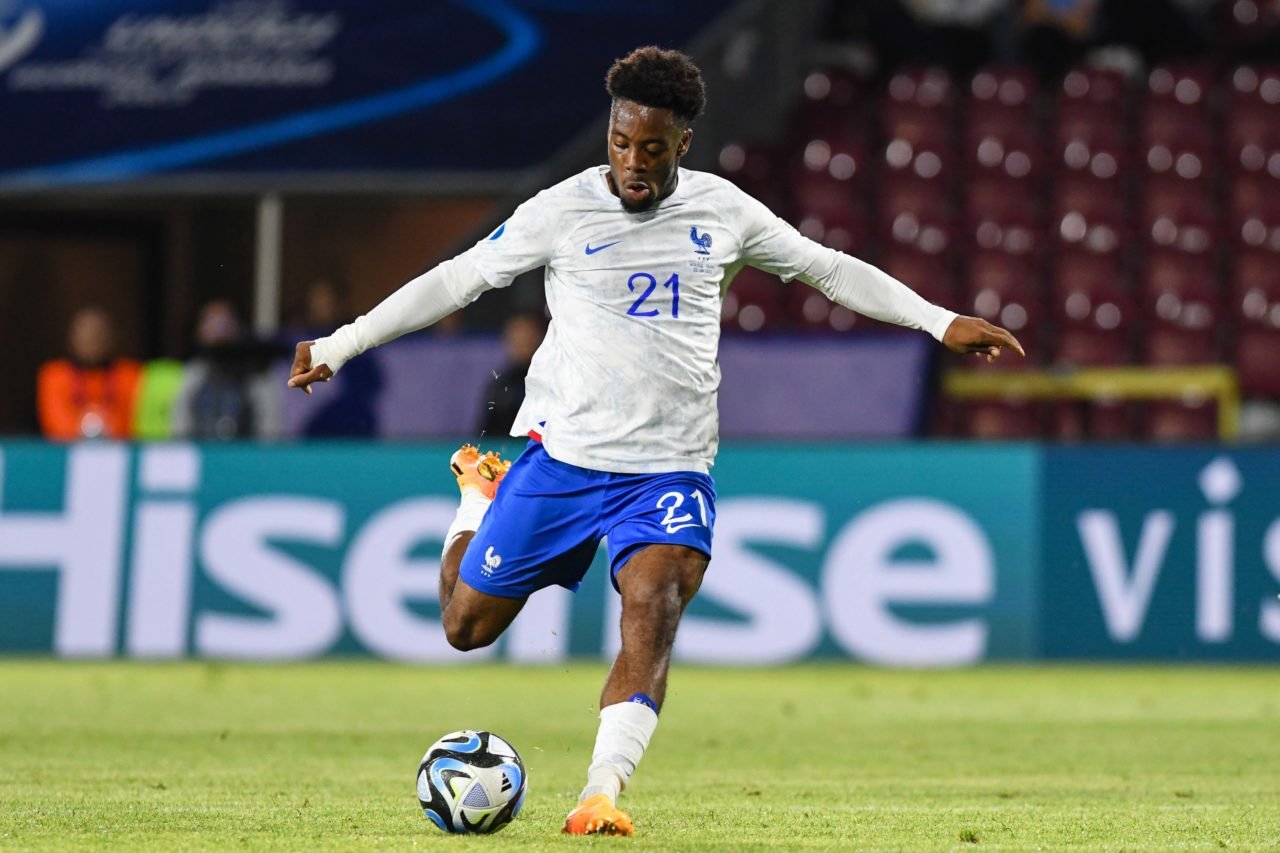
(625, 729)
(470, 512)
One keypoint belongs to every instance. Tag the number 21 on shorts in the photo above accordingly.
(672, 503)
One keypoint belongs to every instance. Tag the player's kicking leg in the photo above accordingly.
(472, 619)
(656, 584)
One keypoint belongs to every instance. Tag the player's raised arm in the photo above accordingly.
(520, 244)
(422, 301)
(776, 247)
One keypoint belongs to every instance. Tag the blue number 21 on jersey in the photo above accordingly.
(641, 277)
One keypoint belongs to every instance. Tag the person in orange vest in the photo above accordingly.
(91, 393)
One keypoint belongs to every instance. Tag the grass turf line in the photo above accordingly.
(322, 756)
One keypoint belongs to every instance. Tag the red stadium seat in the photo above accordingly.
(826, 177)
(1091, 347)
(1257, 362)
(1092, 86)
(755, 169)
(1176, 107)
(916, 214)
(1179, 215)
(1183, 307)
(1003, 420)
(1013, 154)
(1089, 294)
(756, 302)
(1002, 91)
(1187, 420)
(831, 107)
(1113, 420)
(1003, 289)
(1090, 214)
(1253, 121)
(1255, 291)
(1254, 206)
(1096, 420)
(1255, 300)
(845, 232)
(918, 106)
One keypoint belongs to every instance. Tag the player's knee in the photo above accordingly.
(466, 633)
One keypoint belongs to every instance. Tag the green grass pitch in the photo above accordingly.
(190, 756)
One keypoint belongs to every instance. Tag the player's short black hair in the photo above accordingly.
(653, 77)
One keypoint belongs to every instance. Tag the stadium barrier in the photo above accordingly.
(897, 555)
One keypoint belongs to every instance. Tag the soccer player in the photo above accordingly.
(620, 403)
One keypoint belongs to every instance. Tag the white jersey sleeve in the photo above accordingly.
(520, 244)
(524, 242)
(774, 246)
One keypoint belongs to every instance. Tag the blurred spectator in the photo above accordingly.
(521, 336)
(227, 389)
(1057, 33)
(323, 310)
(158, 390)
(91, 393)
(961, 35)
(351, 408)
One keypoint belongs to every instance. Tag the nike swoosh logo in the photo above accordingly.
(592, 251)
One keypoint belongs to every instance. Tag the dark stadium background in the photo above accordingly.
(1103, 187)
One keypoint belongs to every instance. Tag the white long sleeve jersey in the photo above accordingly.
(625, 380)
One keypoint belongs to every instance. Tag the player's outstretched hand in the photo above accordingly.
(302, 374)
(975, 335)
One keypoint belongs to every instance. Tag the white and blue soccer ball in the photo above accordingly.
(471, 782)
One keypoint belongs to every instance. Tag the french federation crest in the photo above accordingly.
(702, 242)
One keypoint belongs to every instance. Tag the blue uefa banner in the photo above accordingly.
(881, 554)
(1155, 554)
(127, 89)
(894, 554)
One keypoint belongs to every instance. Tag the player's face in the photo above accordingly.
(645, 147)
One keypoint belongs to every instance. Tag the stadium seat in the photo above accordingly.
(1094, 420)
(1182, 420)
(1182, 303)
(1088, 90)
(826, 177)
(1010, 225)
(1257, 362)
(845, 232)
(926, 160)
(1253, 121)
(1253, 204)
(1255, 304)
(1001, 135)
(1179, 215)
(1255, 291)
(1112, 419)
(1246, 23)
(918, 106)
(1002, 420)
(755, 169)
(1092, 347)
(1003, 289)
(756, 302)
(1176, 107)
(1088, 293)
(831, 107)
(1090, 214)
(916, 214)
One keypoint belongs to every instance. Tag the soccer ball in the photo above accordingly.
(471, 782)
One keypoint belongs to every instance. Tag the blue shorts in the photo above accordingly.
(548, 519)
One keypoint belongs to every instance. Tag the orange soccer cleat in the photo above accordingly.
(597, 815)
(476, 470)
